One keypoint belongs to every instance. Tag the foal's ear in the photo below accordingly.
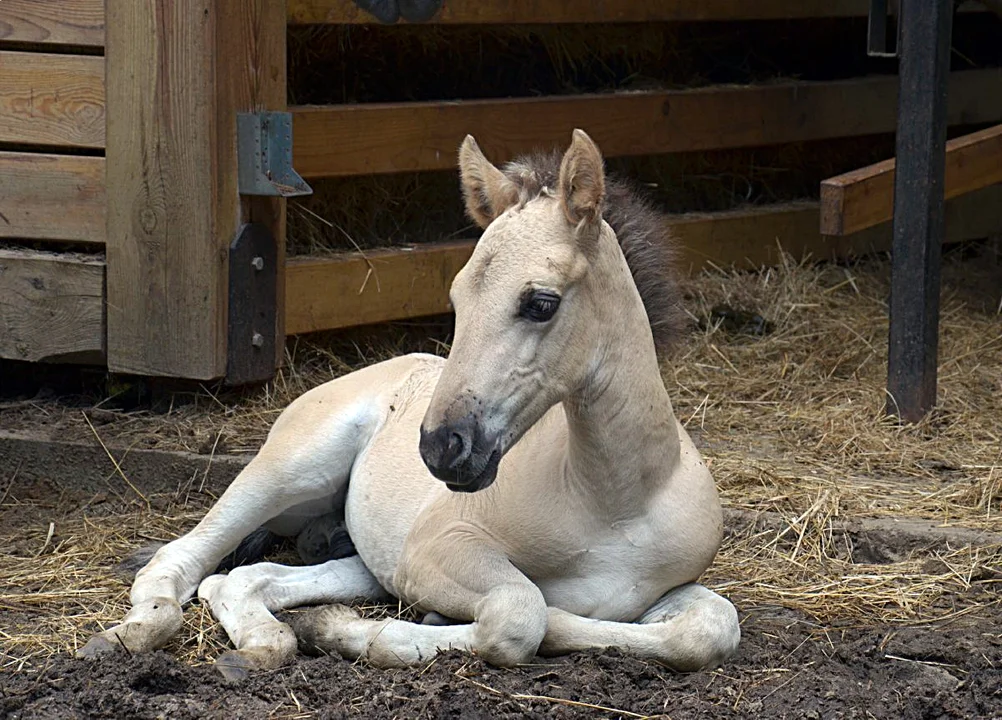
(582, 180)
(486, 190)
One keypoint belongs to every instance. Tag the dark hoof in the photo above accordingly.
(385, 11)
(324, 538)
(250, 550)
(137, 560)
(98, 646)
(233, 666)
(418, 11)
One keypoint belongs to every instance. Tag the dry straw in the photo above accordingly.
(791, 422)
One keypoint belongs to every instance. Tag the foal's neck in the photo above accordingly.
(623, 436)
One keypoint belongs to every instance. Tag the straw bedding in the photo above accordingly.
(791, 421)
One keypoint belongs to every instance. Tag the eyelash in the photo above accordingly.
(539, 306)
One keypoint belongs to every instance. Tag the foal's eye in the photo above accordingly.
(539, 306)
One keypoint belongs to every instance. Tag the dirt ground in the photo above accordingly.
(788, 666)
(864, 557)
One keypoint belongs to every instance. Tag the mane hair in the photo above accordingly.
(647, 243)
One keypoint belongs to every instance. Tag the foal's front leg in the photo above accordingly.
(690, 628)
(461, 577)
(303, 460)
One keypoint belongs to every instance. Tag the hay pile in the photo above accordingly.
(792, 423)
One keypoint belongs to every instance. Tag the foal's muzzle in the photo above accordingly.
(461, 455)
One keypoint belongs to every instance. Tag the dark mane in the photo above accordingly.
(643, 233)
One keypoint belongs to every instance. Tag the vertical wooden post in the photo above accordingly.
(926, 27)
(176, 75)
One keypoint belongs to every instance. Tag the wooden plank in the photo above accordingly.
(862, 198)
(48, 99)
(52, 197)
(394, 284)
(51, 306)
(57, 22)
(404, 137)
(252, 52)
(166, 272)
(383, 285)
(173, 202)
(303, 12)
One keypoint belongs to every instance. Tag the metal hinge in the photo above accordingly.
(876, 30)
(264, 155)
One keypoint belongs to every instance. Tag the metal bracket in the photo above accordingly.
(253, 302)
(876, 30)
(264, 156)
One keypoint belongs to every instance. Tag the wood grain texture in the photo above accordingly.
(863, 198)
(166, 263)
(48, 99)
(394, 284)
(251, 53)
(404, 137)
(57, 22)
(174, 206)
(303, 12)
(51, 306)
(52, 197)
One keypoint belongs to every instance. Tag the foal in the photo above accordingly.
(534, 493)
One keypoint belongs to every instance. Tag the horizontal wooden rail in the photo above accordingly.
(394, 284)
(51, 306)
(302, 12)
(52, 197)
(48, 99)
(56, 22)
(863, 198)
(374, 138)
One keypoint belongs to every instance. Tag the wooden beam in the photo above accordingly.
(48, 99)
(397, 283)
(863, 198)
(303, 12)
(919, 210)
(56, 22)
(402, 137)
(177, 74)
(252, 52)
(51, 306)
(52, 197)
(384, 285)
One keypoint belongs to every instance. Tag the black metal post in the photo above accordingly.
(924, 53)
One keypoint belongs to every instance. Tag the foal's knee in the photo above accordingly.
(711, 633)
(510, 624)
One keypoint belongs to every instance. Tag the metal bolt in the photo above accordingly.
(257, 340)
(258, 263)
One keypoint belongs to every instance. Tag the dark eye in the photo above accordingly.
(539, 305)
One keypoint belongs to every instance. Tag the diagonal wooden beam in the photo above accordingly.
(863, 198)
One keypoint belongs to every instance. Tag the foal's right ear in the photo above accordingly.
(486, 190)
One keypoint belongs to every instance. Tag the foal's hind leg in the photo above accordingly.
(689, 628)
(308, 457)
(243, 601)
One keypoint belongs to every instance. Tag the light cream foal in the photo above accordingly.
(533, 493)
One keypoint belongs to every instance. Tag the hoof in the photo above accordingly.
(234, 666)
(314, 627)
(98, 646)
(385, 11)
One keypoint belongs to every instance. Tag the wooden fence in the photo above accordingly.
(118, 166)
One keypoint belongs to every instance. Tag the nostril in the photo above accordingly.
(454, 450)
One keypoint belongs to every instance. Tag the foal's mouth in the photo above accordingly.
(480, 481)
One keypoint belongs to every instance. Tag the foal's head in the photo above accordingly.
(532, 306)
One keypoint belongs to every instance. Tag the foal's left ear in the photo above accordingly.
(582, 180)
(487, 192)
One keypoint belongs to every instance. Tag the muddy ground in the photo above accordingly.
(787, 667)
